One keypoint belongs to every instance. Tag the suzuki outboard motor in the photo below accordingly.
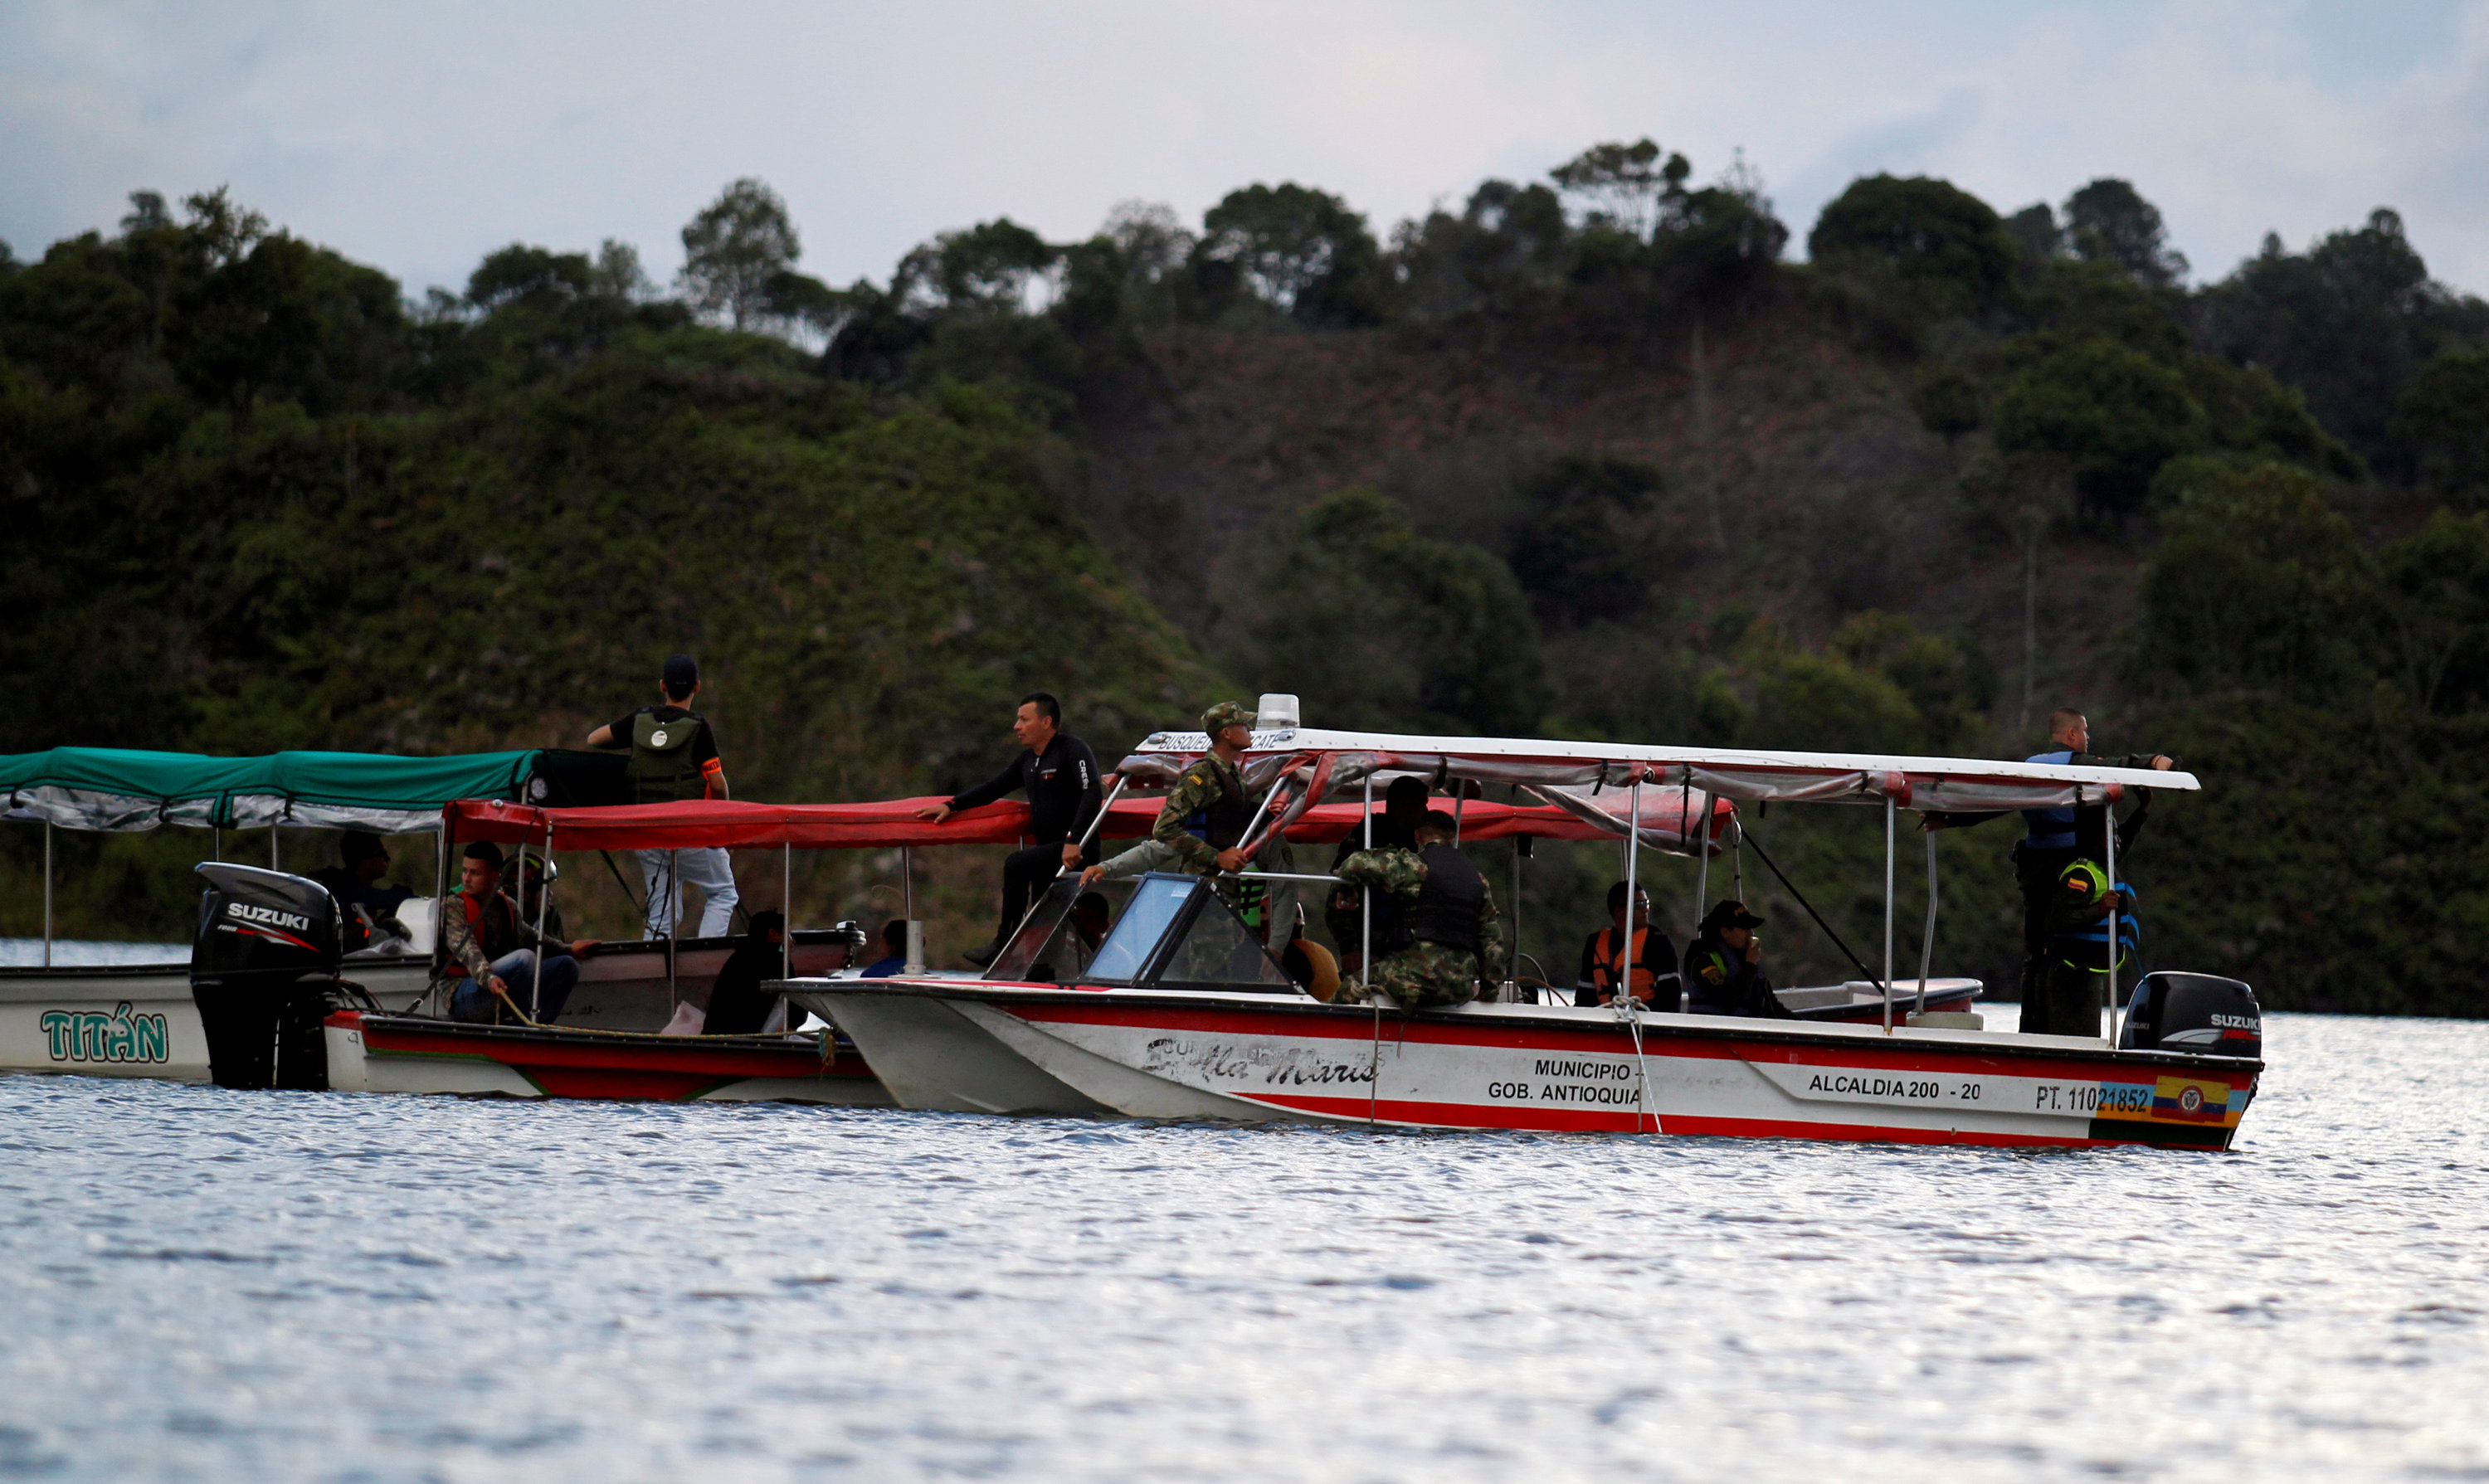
(264, 975)
(2198, 1013)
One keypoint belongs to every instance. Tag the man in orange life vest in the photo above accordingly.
(484, 931)
(1655, 958)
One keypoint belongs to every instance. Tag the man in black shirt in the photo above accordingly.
(674, 756)
(1060, 774)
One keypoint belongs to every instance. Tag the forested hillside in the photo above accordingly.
(1586, 457)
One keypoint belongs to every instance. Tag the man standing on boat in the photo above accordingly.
(674, 756)
(1436, 930)
(2055, 840)
(1060, 774)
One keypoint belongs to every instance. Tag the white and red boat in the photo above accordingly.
(1182, 1012)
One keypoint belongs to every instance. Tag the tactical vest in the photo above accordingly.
(662, 769)
(1450, 901)
(1222, 823)
(1604, 966)
(1705, 998)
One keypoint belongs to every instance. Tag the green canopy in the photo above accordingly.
(108, 788)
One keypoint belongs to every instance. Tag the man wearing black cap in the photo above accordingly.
(674, 756)
(481, 929)
(1724, 968)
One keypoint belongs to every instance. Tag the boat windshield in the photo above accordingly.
(1050, 946)
(1219, 951)
(1154, 907)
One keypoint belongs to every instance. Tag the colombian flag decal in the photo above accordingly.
(2189, 1100)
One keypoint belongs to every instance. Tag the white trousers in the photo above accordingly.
(708, 870)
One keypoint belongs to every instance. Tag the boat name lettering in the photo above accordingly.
(1289, 1066)
(92, 1035)
(1549, 1066)
(1877, 1087)
(242, 911)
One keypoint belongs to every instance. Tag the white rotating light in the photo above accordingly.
(1275, 712)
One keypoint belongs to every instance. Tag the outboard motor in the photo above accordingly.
(264, 975)
(2199, 1012)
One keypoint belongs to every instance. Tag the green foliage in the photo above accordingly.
(2107, 221)
(2114, 414)
(2257, 583)
(1627, 184)
(2350, 323)
(1301, 251)
(735, 249)
(2444, 417)
(1378, 627)
(1576, 549)
(1944, 244)
(1949, 400)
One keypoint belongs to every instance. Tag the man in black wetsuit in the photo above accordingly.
(1061, 776)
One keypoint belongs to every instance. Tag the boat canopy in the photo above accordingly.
(113, 789)
(744, 825)
(1593, 776)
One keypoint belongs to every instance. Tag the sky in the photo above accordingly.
(419, 137)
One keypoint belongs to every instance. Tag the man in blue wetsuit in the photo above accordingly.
(2055, 838)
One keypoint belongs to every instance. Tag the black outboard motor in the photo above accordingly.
(2198, 1013)
(264, 975)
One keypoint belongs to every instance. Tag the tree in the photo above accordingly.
(1302, 250)
(2108, 221)
(1948, 401)
(1379, 627)
(2257, 583)
(1576, 549)
(2115, 413)
(735, 248)
(1941, 241)
(2035, 235)
(2443, 415)
(1628, 185)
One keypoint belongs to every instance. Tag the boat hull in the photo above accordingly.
(414, 1054)
(1559, 1069)
(138, 1020)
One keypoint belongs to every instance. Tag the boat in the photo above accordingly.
(1185, 1012)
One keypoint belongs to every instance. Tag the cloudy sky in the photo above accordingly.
(418, 138)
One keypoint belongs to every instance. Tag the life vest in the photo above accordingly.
(661, 767)
(2050, 829)
(1603, 964)
(1222, 823)
(2082, 942)
(1449, 902)
(496, 937)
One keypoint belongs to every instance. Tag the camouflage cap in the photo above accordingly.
(1225, 714)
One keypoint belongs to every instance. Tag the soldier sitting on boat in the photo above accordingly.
(1404, 808)
(1724, 966)
(1436, 930)
(481, 927)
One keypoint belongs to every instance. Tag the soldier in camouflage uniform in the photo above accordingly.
(1201, 828)
(1436, 928)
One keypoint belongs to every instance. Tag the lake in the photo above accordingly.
(210, 1285)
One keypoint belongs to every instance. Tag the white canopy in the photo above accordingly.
(1332, 762)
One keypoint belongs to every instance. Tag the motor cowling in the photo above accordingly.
(264, 972)
(2199, 1012)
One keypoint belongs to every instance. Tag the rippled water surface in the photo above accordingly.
(201, 1284)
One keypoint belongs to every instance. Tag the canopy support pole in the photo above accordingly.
(1889, 812)
(787, 915)
(217, 845)
(1702, 858)
(908, 882)
(674, 911)
(1738, 857)
(1928, 943)
(2108, 810)
(544, 894)
(274, 863)
(1626, 1010)
(1365, 967)
(47, 894)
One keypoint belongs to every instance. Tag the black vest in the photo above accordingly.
(1449, 903)
(1223, 822)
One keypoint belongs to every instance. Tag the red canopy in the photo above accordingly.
(735, 823)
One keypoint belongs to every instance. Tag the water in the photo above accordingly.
(208, 1285)
(81, 953)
